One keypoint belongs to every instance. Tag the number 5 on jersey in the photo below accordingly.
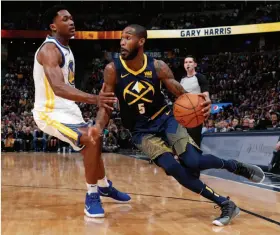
(141, 108)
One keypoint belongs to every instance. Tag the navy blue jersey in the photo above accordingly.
(139, 93)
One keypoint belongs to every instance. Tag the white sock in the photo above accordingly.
(92, 188)
(103, 182)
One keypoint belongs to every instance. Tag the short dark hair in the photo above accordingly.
(51, 13)
(140, 31)
(191, 56)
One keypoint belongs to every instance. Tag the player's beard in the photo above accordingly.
(132, 54)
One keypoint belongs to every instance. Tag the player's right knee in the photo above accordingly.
(167, 162)
(173, 169)
(191, 157)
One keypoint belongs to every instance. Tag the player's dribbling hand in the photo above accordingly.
(206, 105)
(106, 99)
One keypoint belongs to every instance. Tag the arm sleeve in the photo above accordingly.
(203, 82)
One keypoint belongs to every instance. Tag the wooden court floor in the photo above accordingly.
(44, 193)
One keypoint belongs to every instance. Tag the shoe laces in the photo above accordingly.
(93, 198)
(225, 208)
(242, 170)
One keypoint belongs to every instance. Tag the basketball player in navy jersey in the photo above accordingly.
(56, 113)
(136, 80)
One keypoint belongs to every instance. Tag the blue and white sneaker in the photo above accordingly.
(93, 207)
(113, 193)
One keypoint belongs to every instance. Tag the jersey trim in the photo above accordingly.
(62, 128)
(158, 113)
(49, 105)
(63, 57)
(61, 52)
(65, 47)
(132, 71)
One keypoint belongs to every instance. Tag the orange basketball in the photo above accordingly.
(188, 111)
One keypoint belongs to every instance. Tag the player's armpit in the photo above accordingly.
(50, 58)
(165, 74)
(103, 114)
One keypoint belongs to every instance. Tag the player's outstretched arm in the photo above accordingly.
(50, 58)
(165, 74)
(103, 114)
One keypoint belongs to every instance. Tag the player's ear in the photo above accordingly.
(142, 41)
(53, 27)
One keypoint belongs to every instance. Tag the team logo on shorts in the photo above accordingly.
(71, 73)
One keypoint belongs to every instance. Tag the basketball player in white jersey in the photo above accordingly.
(56, 113)
(194, 83)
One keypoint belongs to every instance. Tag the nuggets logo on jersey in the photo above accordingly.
(71, 73)
(138, 91)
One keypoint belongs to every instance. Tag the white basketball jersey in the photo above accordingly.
(191, 84)
(60, 109)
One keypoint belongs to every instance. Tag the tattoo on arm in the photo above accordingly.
(166, 76)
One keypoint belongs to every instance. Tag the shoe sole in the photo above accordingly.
(93, 215)
(262, 177)
(236, 213)
(115, 200)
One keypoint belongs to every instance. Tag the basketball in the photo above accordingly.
(188, 111)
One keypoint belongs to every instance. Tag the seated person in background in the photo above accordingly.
(251, 124)
(27, 140)
(235, 125)
(40, 140)
(52, 144)
(9, 141)
(112, 127)
(245, 125)
(19, 138)
(111, 143)
(211, 127)
(124, 137)
(274, 121)
(2, 137)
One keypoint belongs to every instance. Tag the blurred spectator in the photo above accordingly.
(245, 125)
(211, 127)
(111, 143)
(9, 140)
(19, 134)
(274, 121)
(112, 127)
(124, 138)
(39, 141)
(53, 144)
(251, 124)
(28, 140)
(235, 125)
